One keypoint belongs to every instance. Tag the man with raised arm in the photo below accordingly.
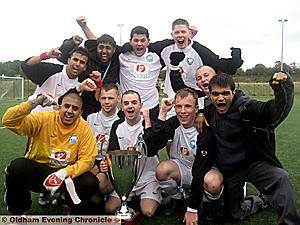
(244, 145)
(125, 135)
(175, 175)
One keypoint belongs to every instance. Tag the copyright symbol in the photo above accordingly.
(4, 219)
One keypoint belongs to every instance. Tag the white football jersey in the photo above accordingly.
(127, 138)
(184, 145)
(188, 67)
(140, 74)
(56, 85)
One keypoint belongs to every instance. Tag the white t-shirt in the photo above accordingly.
(140, 74)
(188, 65)
(128, 137)
(101, 126)
(184, 145)
(56, 85)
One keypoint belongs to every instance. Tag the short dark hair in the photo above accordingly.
(69, 92)
(109, 86)
(222, 80)
(139, 30)
(180, 21)
(80, 50)
(185, 92)
(131, 92)
(106, 38)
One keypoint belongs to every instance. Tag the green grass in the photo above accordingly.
(288, 142)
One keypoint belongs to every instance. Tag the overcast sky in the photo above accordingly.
(31, 27)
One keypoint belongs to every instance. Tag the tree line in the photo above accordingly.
(12, 68)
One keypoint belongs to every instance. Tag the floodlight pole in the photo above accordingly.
(282, 29)
(120, 25)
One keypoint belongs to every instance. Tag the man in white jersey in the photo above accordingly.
(101, 123)
(196, 55)
(176, 173)
(125, 135)
(55, 79)
(139, 70)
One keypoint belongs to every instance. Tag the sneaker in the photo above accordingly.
(44, 199)
(266, 202)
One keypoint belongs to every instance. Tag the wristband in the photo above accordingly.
(191, 210)
(43, 56)
(99, 84)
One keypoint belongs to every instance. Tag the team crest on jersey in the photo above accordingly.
(189, 61)
(73, 139)
(192, 144)
(184, 151)
(149, 58)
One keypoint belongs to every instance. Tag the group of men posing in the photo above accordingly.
(217, 138)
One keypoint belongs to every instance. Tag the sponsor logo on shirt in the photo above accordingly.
(141, 71)
(140, 68)
(184, 151)
(60, 157)
(189, 61)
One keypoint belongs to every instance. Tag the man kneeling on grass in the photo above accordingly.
(244, 146)
(63, 147)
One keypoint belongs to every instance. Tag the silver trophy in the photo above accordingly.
(126, 167)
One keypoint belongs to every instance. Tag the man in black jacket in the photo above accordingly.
(243, 130)
(103, 66)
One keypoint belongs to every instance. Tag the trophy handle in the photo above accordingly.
(142, 146)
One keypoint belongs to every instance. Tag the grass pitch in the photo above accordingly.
(288, 142)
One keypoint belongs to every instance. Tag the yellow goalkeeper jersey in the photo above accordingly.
(70, 147)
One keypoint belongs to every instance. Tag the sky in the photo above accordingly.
(31, 27)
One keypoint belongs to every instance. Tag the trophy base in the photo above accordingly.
(134, 220)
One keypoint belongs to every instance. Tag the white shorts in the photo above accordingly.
(150, 190)
(185, 173)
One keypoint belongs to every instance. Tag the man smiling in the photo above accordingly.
(62, 146)
(175, 174)
(126, 135)
(53, 78)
